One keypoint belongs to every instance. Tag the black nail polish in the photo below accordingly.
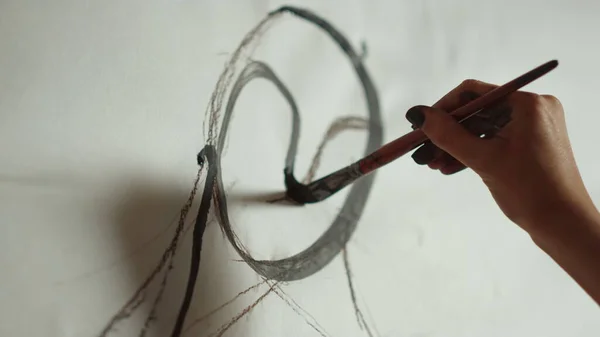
(421, 158)
(424, 154)
(415, 116)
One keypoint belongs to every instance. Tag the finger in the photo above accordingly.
(452, 168)
(445, 132)
(441, 160)
(436, 164)
(425, 153)
(466, 97)
(460, 95)
(429, 151)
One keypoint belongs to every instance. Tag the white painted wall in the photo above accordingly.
(101, 111)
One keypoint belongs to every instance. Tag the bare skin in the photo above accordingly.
(530, 171)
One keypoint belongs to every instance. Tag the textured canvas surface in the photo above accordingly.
(102, 111)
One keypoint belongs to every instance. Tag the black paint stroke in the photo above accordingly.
(326, 247)
(166, 261)
(329, 245)
(362, 323)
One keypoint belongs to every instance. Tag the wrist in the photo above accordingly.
(564, 225)
(572, 239)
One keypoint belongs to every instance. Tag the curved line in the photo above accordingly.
(335, 238)
(326, 247)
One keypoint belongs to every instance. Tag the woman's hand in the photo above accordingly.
(520, 149)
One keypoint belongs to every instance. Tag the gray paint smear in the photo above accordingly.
(326, 247)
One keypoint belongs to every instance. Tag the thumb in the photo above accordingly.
(447, 134)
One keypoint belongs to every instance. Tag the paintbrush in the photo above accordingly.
(330, 184)
(400, 146)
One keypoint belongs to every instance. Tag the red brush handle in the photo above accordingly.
(391, 151)
(399, 147)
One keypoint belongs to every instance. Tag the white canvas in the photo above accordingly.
(102, 105)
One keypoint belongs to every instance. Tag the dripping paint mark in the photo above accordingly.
(139, 296)
(308, 318)
(222, 306)
(362, 323)
(244, 312)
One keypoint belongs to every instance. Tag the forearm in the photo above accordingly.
(572, 239)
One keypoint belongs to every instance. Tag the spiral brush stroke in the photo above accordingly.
(334, 239)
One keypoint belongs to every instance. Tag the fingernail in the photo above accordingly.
(415, 116)
(448, 170)
(424, 154)
(422, 157)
